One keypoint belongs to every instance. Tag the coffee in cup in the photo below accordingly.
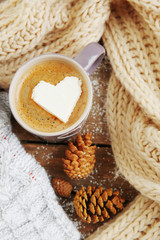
(53, 72)
(53, 69)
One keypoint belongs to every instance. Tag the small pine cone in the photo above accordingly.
(95, 204)
(62, 187)
(80, 158)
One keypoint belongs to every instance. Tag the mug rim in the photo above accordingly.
(13, 87)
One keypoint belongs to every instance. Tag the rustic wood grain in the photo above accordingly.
(96, 122)
(105, 172)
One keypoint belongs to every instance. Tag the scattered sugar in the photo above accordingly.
(46, 156)
(112, 179)
(98, 111)
(98, 126)
(67, 205)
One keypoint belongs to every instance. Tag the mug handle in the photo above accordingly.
(90, 57)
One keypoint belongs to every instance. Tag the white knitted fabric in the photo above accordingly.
(28, 206)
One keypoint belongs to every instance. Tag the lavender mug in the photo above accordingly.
(85, 62)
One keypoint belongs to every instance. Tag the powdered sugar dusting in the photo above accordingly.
(46, 157)
(105, 172)
(97, 117)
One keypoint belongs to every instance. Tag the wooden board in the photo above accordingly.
(105, 172)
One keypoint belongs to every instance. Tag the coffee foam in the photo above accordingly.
(37, 118)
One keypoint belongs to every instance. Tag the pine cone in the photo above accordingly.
(95, 204)
(80, 158)
(62, 187)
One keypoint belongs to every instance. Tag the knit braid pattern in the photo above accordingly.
(133, 98)
(130, 30)
(30, 28)
(140, 220)
(132, 37)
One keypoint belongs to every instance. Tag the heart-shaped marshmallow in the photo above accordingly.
(58, 100)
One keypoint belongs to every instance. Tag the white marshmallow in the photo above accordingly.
(58, 100)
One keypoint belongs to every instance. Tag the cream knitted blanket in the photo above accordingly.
(29, 209)
(131, 34)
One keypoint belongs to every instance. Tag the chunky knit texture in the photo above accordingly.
(130, 30)
(30, 28)
(132, 37)
(28, 206)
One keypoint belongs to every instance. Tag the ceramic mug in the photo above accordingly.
(85, 62)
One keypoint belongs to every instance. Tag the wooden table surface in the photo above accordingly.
(105, 172)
